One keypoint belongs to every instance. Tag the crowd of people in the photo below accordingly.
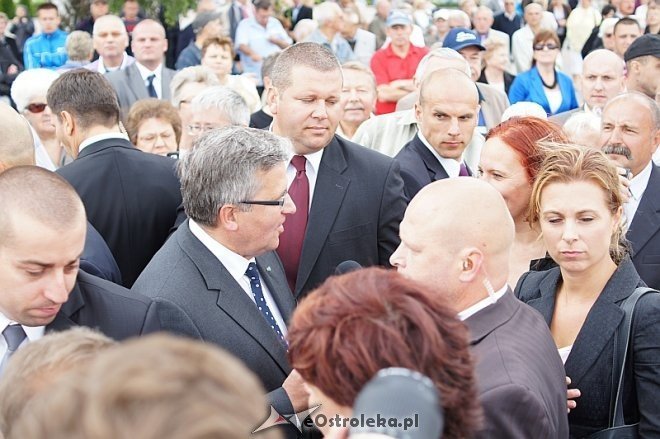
(298, 196)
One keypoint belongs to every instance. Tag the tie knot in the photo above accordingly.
(298, 162)
(252, 268)
(151, 78)
(14, 335)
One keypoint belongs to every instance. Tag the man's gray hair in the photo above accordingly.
(223, 99)
(200, 74)
(222, 169)
(312, 55)
(654, 109)
(325, 12)
(79, 46)
(442, 53)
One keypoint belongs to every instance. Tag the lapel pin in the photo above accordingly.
(268, 268)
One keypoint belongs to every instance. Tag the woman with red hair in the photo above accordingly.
(354, 325)
(510, 160)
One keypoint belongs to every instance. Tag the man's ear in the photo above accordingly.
(68, 123)
(272, 99)
(226, 218)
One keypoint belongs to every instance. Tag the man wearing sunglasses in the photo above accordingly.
(219, 266)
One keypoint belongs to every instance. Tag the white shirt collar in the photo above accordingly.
(236, 264)
(145, 72)
(451, 166)
(103, 69)
(33, 332)
(640, 181)
(97, 138)
(490, 300)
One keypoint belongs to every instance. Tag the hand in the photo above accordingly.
(255, 57)
(624, 183)
(12, 69)
(295, 388)
(571, 394)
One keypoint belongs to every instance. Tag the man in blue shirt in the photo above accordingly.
(47, 49)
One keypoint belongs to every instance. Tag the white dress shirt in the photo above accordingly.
(112, 135)
(158, 80)
(125, 62)
(452, 166)
(237, 265)
(33, 333)
(311, 169)
(637, 187)
(490, 300)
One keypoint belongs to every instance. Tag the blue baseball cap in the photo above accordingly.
(461, 37)
(397, 17)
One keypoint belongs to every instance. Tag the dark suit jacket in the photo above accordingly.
(130, 88)
(356, 209)
(419, 167)
(185, 273)
(97, 258)
(503, 24)
(130, 197)
(644, 233)
(589, 364)
(521, 380)
(115, 311)
(304, 12)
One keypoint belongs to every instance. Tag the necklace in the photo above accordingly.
(554, 83)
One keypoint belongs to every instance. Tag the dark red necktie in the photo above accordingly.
(463, 171)
(291, 241)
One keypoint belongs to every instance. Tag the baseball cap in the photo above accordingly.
(648, 44)
(397, 17)
(441, 14)
(202, 19)
(461, 37)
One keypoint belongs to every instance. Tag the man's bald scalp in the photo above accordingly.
(448, 78)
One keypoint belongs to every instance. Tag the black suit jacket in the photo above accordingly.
(589, 364)
(184, 272)
(97, 258)
(130, 197)
(503, 24)
(115, 311)
(522, 386)
(304, 12)
(419, 167)
(644, 233)
(356, 209)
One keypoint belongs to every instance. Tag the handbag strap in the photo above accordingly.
(622, 341)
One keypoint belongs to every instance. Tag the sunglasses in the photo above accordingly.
(546, 46)
(36, 108)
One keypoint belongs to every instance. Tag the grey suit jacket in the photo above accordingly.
(130, 87)
(187, 274)
(521, 379)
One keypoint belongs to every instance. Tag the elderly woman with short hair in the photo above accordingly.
(29, 93)
(154, 126)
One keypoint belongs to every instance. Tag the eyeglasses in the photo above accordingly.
(549, 46)
(279, 202)
(36, 108)
(200, 129)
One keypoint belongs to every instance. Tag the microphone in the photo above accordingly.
(347, 267)
(404, 395)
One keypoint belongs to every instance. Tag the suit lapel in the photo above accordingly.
(546, 303)
(231, 297)
(492, 317)
(135, 82)
(646, 221)
(329, 192)
(433, 166)
(63, 320)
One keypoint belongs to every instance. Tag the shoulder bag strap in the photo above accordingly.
(622, 343)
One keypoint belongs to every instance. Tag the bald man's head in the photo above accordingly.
(16, 142)
(446, 240)
(38, 194)
(451, 94)
(602, 77)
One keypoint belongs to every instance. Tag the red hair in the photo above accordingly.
(354, 325)
(523, 134)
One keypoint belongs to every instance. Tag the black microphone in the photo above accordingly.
(404, 402)
(347, 267)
